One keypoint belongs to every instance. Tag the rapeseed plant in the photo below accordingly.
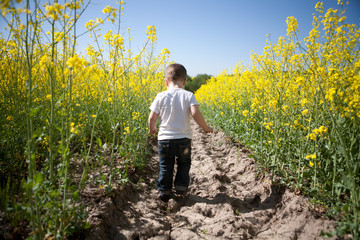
(59, 103)
(306, 94)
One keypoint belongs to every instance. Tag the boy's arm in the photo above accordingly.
(199, 119)
(152, 122)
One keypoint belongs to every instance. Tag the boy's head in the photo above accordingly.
(175, 72)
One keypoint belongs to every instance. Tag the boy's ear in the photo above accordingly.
(166, 82)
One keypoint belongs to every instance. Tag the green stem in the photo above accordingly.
(52, 83)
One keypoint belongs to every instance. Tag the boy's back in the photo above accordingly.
(173, 107)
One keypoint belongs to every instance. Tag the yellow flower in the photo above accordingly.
(89, 25)
(292, 25)
(135, 115)
(323, 129)
(99, 20)
(151, 33)
(330, 94)
(311, 163)
(304, 101)
(245, 113)
(126, 130)
(311, 156)
(75, 62)
(54, 10)
(273, 103)
(165, 51)
(111, 12)
(93, 116)
(305, 112)
(107, 9)
(73, 129)
(312, 136)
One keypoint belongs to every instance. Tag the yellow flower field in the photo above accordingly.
(56, 104)
(298, 107)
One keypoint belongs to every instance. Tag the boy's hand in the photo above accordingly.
(199, 119)
(208, 129)
(152, 130)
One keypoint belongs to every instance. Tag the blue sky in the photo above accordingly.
(209, 36)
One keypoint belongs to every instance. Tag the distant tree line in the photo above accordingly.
(194, 83)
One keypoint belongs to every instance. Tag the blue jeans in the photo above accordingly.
(171, 151)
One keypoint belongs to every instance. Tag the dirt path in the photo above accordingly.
(227, 200)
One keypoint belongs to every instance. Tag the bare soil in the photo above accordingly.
(229, 198)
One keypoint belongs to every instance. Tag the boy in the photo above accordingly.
(175, 106)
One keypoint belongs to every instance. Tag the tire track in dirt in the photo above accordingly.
(227, 199)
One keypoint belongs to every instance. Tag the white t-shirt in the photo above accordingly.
(173, 107)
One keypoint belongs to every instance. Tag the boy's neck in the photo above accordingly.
(177, 85)
(174, 87)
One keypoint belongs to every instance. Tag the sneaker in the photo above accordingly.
(179, 192)
(165, 196)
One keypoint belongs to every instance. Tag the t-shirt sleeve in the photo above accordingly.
(193, 100)
(155, 105)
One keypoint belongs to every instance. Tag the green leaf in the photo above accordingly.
(75, 195)
(33, 111)
(37, 180)
(99, 142)
(86, 225)
(103, 177)
(54, 193)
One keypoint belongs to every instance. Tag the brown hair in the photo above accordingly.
(175, 72)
